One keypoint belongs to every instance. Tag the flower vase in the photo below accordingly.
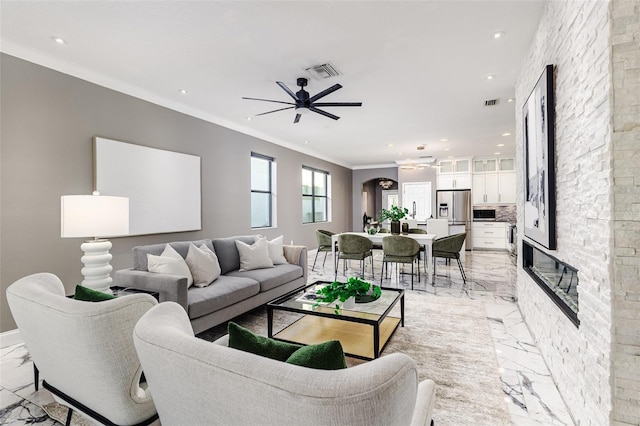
(395, 227)
(350, 303)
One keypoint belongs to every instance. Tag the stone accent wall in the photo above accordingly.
(575, 37)
(625, 27)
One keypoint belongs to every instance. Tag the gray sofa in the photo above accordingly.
(232, 294)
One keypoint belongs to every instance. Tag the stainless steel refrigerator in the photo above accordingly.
(455, 206)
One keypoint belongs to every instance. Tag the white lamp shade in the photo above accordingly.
(94, 216)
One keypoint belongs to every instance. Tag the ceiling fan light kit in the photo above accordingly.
(305, 103)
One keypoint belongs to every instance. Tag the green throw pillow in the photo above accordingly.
(323, 356)
(244, 340)
(90, 295)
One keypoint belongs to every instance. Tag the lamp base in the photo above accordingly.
(97, 270)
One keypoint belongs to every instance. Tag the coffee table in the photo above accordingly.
(363, 331)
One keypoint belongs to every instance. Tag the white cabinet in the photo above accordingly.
(455, 174)
(507, 187)
(494, 181)
(489, 235)
(455, 165)
(486, 188)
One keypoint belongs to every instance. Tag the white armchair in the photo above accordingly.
(196, 382)
(83, 350)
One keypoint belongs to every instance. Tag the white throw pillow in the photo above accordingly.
(255, 256)
(169, 265)
(203, 264)
(276, 252)
(171, 252)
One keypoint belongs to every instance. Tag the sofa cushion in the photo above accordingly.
(203, 264)
(271, 277)
(87, 294)
(226, 291)
(182, 247)
(254, 256)
(244, 340)
(227, 252)
(323, 356)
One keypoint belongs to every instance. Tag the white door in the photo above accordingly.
(416, 196)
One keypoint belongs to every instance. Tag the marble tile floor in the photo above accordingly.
(530, 393)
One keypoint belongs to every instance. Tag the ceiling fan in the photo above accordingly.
(304, 103)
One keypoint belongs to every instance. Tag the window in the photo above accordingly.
(262, 191)
(315, 195)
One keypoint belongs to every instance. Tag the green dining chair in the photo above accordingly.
(449, 248)
(398, 249)
(353, 247)
(324, 245)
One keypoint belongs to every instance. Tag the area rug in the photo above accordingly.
(59, 412)
(450, 341)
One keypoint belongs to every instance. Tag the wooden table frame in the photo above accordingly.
(425, 240)
(338, 327)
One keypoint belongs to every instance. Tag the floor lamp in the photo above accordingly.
(95, 216)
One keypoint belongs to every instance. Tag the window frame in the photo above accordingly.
(271, 191)
(314, 196)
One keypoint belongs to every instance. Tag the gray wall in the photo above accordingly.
(359, 178)
(48, 121)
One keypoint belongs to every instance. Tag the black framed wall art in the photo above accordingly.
(538, 128)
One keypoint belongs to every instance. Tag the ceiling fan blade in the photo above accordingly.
(298, 116)
(335, 104)
(325, 113)
(324, 93)
(269, 100)
(286, 89)
(275, 110)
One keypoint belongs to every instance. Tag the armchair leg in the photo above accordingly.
(464, 277)
(69, 414)
(36, 376)
(316, 258)
(325, 259)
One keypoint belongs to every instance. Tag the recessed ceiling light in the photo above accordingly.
(510, 100)
(446, 149)
(59, 40)
(400, 153)
(490, 77)
(248, 118)
(389, 145)
(498, 34)
(506, 134)
(306, 142)
(183, 91)
(451, 156)
(496, 153)
(444, 140)
(500, 144)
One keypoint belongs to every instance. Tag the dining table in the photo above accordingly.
(425, 240)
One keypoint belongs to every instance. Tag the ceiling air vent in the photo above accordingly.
(491, 102)
(322, 71)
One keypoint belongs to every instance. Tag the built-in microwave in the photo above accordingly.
(484, 214)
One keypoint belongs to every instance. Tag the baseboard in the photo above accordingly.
(10, 338)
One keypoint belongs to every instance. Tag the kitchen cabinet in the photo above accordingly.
(454, 173)
(454, 181)
(486, 189)
(507, 188)
(485, 165)
(494, 181)
(455, 165)
(489, 235)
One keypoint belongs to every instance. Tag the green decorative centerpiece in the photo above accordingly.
(359, 290)
(394, 214)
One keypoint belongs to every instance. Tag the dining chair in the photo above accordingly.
(449, 248)
(324, 245)
(417, 231)
(399, 249)
(353, 247)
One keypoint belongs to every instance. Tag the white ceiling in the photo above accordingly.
(419, 67)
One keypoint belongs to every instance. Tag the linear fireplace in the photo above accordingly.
(556, 278)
